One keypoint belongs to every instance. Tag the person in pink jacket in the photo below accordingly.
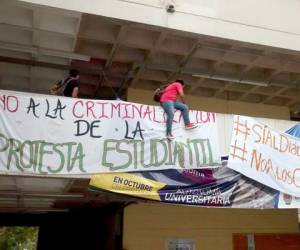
(169, 103)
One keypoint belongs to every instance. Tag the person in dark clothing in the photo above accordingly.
(72, 87)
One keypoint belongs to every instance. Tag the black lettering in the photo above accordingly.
(47, 112)
(94, 124)
(127, 130)
(82, 131)
(32, 106)
(138, 129)
(58, 109)
(83, 127)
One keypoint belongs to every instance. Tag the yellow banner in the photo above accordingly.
(128, 184)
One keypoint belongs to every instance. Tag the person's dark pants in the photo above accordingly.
(169, 107)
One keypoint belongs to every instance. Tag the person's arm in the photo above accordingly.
(181, 94)
(75, 92)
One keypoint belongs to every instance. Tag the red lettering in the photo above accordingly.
(154, 115)
(289, 177)
(270, 166)
(293, 149)
(115, 107)
(126, 111)
(10, 103)
(2, 99)
(264, 134)
(254, 127)
(102, 115)
(281, 149)
(298, 151)
(147, 112)
(274, 143)
(138, 109)
(295, 177)
(74, 107)
(213, 119)
(89, 108)
(268, 140)
(207, 118)
(257, 160)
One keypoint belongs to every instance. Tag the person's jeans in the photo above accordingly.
(169, 108)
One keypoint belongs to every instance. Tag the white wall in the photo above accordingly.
(267, 22)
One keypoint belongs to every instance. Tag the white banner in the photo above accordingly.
(265, 155)
(58, 135)
(288, 201)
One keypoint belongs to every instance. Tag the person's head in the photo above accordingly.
(180, 81)
(74, 73)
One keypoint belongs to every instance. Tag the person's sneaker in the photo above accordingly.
(170, 137)
(191, 126)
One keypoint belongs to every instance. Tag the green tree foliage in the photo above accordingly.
(18, 238)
